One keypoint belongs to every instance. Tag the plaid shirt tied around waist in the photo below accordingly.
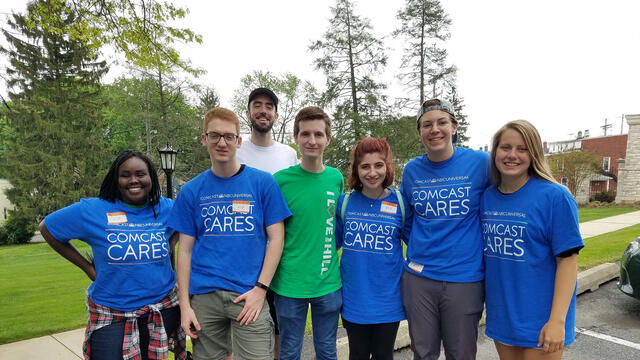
(101, 316)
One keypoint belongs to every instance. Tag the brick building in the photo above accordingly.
(610, 148)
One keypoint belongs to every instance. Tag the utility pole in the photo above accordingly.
(605, 127)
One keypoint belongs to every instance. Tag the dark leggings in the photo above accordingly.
(106, 343)
(371, 341)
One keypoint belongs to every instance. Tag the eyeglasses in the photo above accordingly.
(215, 137)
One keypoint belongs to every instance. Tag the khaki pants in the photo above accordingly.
(217, 315)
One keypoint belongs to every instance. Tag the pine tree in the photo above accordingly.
(352, 58)
(458, 106)
(425, 27)
(59, 154)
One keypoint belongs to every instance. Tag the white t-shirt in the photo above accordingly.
(270, 158)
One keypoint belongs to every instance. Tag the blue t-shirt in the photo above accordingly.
(371, 263)
(228, 218)
(445, 243)
(130, 249)
(523, 232)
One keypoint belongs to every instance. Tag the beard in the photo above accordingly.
(261, 128)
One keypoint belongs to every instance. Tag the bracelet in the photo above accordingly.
(262, 286)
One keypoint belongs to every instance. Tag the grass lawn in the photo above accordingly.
(41, 292)
(606, 247)
(588, 214)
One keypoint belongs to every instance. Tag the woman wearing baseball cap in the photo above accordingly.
(443, 281)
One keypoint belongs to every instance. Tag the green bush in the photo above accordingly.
(604, 196)
(16, 231)
(3, 235)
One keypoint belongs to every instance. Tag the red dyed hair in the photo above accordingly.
(365, 146)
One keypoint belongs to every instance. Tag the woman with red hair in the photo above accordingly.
(369, 228)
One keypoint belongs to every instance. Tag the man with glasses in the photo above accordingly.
(224, 263)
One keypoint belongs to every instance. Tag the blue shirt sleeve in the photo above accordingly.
(408, 219)
(489, 180)
(565, 229)
(182, 217)
(409, 214)
(67, 223)
(275, 206)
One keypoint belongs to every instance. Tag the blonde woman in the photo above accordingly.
(531, 244)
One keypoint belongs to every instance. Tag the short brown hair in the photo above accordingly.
(222, 114)
(365, 146)
(312, 113)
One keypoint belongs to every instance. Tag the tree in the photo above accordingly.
(293, 94)
(425, 26)
(139, 29)
(207, 100)
(59, 154)
(461, 118)
(576, 166)
(7, 134)
(351, 57)
(139, 116)
(125, 113)
(402, 136)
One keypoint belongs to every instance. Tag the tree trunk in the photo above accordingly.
(422, 25)
(354, 96)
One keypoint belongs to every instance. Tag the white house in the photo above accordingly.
(5, 205)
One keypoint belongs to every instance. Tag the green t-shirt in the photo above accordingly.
(309, 266)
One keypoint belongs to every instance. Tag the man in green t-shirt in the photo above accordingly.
(309, 272)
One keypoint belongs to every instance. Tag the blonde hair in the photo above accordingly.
(538, 167)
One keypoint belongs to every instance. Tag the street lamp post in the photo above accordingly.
(168, 163)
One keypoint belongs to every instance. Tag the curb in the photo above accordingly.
(588, 280)
(591, 279)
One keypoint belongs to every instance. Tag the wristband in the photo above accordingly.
(262, 286)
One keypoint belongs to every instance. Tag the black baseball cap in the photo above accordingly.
(263, 91)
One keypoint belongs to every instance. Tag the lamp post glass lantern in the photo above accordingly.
(168, 164)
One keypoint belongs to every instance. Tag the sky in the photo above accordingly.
(565, 66)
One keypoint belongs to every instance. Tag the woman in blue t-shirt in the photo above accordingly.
(531, 244)
(443, 281)
(132, 290)
(369, 230)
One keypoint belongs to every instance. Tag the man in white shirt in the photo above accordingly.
(262, 152)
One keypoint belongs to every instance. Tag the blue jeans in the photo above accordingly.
(106, 343)
(292, 316)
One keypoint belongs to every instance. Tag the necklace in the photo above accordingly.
(374, 200)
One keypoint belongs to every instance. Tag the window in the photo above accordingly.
(606, 162)
(564, 181)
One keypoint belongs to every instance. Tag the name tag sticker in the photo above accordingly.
(416, 267)
(116, 218)
(389, 208)
(241, 207)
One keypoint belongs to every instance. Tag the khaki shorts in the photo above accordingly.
(217, 315)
